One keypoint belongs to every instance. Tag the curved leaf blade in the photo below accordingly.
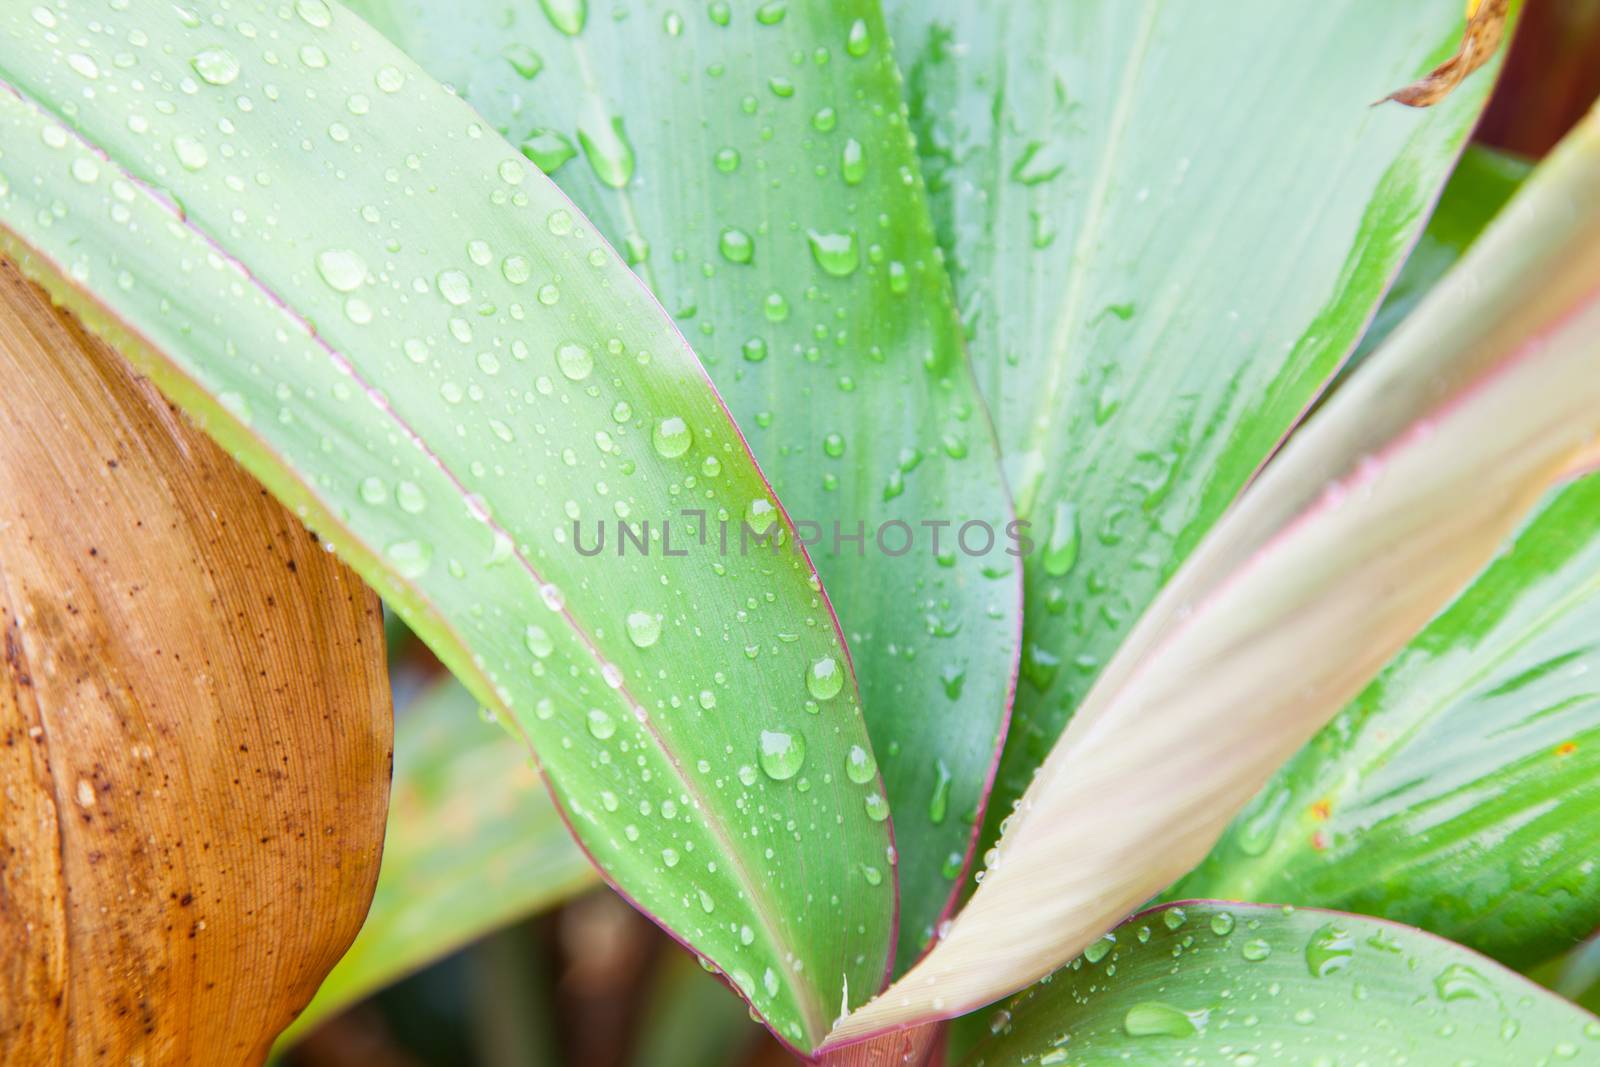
(771, 200)
(326, 258)
(1183, 222)
(1386, 506)
(1457, 792)
(473, 844)
(1218, 982)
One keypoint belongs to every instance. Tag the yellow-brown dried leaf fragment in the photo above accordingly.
(1486, 27)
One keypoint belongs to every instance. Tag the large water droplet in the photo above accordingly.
(575, 360)
(538, 641)
(1061, 550)
(606, 147)
(644, 629)
(1331, 950)
(824, 678)
(852, 162)
(736, 245)
(835, 253)
(859, 766)
(1152, 1018)
(568, 16)
(548, 149)
(341, 269)
(781, 753)
(939, 803)
(523, 59)
(601, 724)
(454, 286)
(859, 40)
(216, 66)
(671, 437)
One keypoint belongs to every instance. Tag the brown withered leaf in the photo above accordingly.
(1486, 26)
(195, 731)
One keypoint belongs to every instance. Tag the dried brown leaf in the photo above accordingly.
(194, 725)
(1486, 27)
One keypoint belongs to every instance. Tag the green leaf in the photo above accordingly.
(473, 843)
(767, 190)
(1458, 792)
(410, 336)
(1252, 986)
(1168, 225)
(1478, 188)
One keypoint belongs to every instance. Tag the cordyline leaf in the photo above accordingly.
(1217, 982)
(1168, 226)
(410, 336)
(195, 724)
(473, 844)
(771, 200)
(1486, 27)
(1445, 767)
(1245, 671)
(1457, 793)
(1478, 188)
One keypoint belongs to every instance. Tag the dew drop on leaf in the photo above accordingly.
(859, 766)
(824, 678)
(671, 437)
(781, 753)
(644, 629)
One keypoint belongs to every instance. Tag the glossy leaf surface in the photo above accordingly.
(473, 843)
(398, 324)
(1168, 225)
(1370, 521)
(1250, 986)
(765, 187)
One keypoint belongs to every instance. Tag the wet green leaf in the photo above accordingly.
(1251, 986)
(410, 335)
(766, 189)
(1168, 225)
(1458, 792)
(473, 843)
(1478, 188)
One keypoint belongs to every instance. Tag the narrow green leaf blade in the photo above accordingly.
(400, 326)
(767, 191)
(1168, 225)
(473, 843)
(1221, 983)
(1458, 792)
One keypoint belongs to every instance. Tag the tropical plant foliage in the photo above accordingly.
(756, 418)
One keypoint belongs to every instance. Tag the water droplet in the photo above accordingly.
(389, 79)
(781, 753)
(559, 222)
(1255, 950)
(859, 766)
(824, 678)
(1460, 982)
(824, 120)
(409, 496)
(771, 13)
(523, 59)
(1174, 918)
(671, 437)
(1061, 550)
(859, 40)
(454, 286)
(852, 162)
(754, 350)
(720, 12)
(547, 149)
(833, 445)
(575, 360)
(373, 491)
(877, 807)
(216, 66)
(736, 245)
(568, 16)
(606, 147)
(538, 641)
(1330, 951)
(835, 253)
(775, 307)
(314, 13)
(516, 269)
(673, 24)
(1100, 948)
(601, 724)
(190, 152)
(1152, 1018)
(939, 803)
(84, 66)
(760, 514)
(1222, 924)
(644, 629)
(727, 160)
(410, 558)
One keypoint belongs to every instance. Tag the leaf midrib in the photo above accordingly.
(805, 994)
